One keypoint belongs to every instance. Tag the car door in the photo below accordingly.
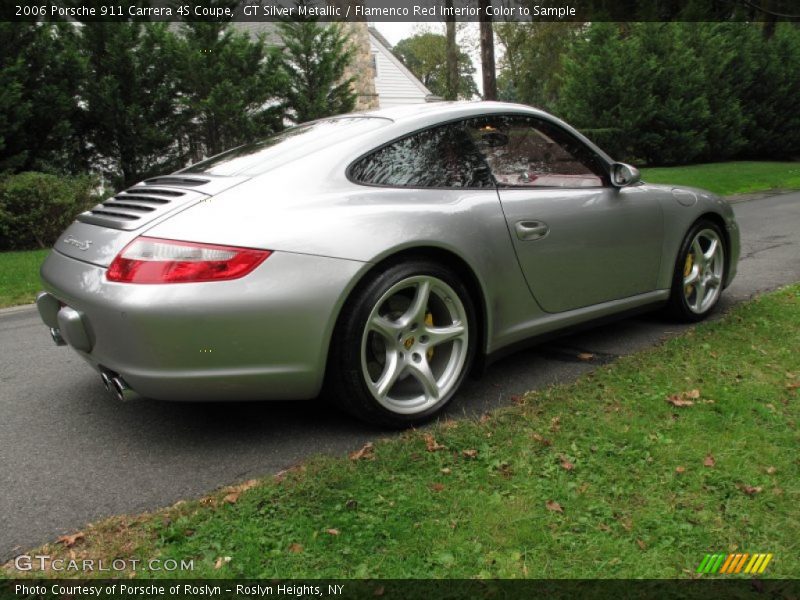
(579, 240)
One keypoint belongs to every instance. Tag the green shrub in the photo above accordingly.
(36, 207)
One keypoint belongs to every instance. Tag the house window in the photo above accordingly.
(374, 63)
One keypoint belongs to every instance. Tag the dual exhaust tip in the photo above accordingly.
(117, 386)
(113, 382)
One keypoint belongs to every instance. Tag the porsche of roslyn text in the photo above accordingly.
(380, 256)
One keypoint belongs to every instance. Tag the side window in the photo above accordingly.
(442, 157)
(524, 152)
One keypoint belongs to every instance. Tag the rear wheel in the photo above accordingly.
(403, 345)
(699, 272)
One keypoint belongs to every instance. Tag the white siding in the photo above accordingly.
(394, 83)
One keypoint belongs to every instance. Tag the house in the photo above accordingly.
(380, 79)
(394, 83)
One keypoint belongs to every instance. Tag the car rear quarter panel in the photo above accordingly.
(259, 337)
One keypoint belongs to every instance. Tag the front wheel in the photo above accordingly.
(403, 345)
(699, 272)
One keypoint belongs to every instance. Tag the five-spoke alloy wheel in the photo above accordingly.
(699, 272)
(404, 345)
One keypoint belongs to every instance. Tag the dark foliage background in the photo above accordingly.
(127, 101)
(664, 93)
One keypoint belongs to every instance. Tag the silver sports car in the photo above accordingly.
(383, 255)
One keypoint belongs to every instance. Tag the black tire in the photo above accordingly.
(352, 341)
(688, 309)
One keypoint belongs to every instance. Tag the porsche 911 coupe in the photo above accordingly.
(381, 255)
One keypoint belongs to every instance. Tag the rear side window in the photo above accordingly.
(441, 157)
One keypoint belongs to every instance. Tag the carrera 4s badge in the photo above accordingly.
(77, 243)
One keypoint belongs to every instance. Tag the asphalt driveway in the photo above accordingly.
(70, 455)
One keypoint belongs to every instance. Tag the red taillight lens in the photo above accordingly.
(153, 260)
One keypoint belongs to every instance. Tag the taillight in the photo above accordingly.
(154, 260)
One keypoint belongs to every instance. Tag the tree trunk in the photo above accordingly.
(452, 54)
(487, 53)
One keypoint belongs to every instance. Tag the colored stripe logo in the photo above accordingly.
(734, 563)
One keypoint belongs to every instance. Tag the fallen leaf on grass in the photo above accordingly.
(517, 400)
(332, 531)
(437, 487)
(446, 471)
(431, 445)
(555, 424)
(281, 475)
(295, 548)
(242, 487)
(367, 452)
(680, 470)
(379, 591)
(641, 544)
(542, 440)
(485, 418)
(793, 386)
(585, 356)
(749, 489)
(470, 453)
(222, 560)
(709, 461)
(771, 470)
(684, 398)
(553, 506)
(70, 540)
(566, 465)
(231, 498)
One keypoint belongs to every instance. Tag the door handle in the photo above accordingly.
(531, 230)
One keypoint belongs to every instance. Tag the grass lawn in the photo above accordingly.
(730, 177)
(606, 477)
(19, 276)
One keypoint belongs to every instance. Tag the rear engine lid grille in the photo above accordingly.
(154, 198)
(177, 181)
(138, 206)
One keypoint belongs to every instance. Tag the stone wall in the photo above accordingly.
(361, 68)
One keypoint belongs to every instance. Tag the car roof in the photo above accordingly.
(443, 110)
(411, 117)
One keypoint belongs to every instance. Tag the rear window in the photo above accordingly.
(289, 144)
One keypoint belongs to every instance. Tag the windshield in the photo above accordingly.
(289, 144)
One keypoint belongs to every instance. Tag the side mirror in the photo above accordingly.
(623, 174)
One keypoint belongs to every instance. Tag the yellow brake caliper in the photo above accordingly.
(429, 323)
(687, 268)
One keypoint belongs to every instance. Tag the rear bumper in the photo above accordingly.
(264, 336)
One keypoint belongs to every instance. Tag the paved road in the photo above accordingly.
(69, 455)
